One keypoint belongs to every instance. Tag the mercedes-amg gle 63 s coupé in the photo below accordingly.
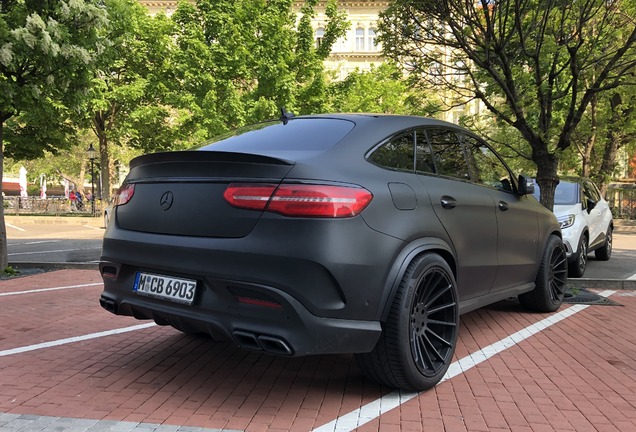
(324, 234)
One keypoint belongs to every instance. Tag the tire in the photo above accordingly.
(576, 267)
(604, 253)
(419, 337)
(550, 283)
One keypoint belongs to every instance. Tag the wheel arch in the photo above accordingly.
(585, 234)
(404, 258)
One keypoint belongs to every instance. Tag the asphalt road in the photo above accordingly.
(77, 242)
(54, 240)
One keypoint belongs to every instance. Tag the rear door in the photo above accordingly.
(466, 210)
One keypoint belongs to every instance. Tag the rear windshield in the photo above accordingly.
(311, 134)
(565, 193)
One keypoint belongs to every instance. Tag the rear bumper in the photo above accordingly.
(318, 286)
(289, 329)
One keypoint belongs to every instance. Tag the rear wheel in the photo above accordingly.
(420, 334)
(577, 265)
(549, 290)
(604, 253)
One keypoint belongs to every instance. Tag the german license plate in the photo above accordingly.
(165, 287)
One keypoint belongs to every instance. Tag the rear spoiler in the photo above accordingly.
(206, 156)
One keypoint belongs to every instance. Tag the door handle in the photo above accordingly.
(448, 202)
(503, 206)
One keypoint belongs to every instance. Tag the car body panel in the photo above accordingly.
(304, 285)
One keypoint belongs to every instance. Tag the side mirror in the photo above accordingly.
(526, 185)
(590, 205)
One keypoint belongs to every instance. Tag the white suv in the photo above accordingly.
(586, 222)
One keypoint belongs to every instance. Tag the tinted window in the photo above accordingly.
(590, 191)
(565, 193)
(296, 134)
(423, 154)
(397, 153)
(448, 153)
(484, 166)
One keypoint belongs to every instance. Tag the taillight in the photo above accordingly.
(300, 200)
(124, 194)
(249, 196)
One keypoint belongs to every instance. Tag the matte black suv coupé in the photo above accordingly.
(364, 234)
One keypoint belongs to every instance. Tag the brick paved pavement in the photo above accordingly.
(575, 373)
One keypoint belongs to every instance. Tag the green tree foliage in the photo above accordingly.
(47, 50)
(383, 89)
(239, 62)
(607, 130)
(131, 103)
(535, 64)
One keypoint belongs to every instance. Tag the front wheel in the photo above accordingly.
(419, 337)
(549, 290)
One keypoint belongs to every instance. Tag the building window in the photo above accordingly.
(320, 34)
(371, 38)
(359, 39)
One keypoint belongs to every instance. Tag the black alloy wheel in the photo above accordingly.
(604, 253)
(579, 263)
(419, 337)
(551, 280)
(433, 322)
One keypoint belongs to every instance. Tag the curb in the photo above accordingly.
(618, 284)
(49, 266)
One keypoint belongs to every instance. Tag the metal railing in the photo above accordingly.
(15, 205)
(621, 198)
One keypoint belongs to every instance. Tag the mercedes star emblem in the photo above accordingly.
(166, 200)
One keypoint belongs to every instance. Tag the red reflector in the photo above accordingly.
(249, 196)
(300, 200)
(259, 302)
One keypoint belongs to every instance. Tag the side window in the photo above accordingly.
(591, 192)
(423, 154)
(397, 153)
(484, 165)
(448, 154)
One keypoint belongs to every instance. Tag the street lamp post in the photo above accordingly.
(92, 154)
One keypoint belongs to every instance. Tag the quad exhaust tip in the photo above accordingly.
(270, 344)
(108, 304)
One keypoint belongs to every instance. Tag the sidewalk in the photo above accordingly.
(97, 221)
(622, 226)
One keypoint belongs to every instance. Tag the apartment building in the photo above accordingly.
(359, 49)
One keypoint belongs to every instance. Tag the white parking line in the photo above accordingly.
(74, 339)
(375, 409)
(50, 289)
(50, 251)
(14, 227)
(39, 242)
(93, 227)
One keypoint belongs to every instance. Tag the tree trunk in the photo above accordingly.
(614, 140)
(4, 257)
(589, 144)
(104, 163)
(547, 177)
